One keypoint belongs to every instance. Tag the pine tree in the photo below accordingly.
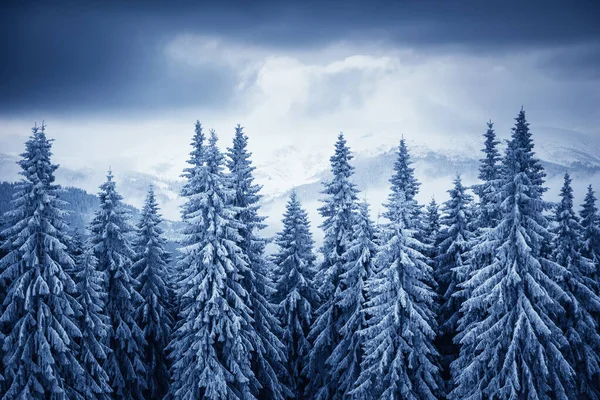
(404, 175)
(431, 230)
(451, 270)
(400, 360)
(338, 214)
(486, 215)
(93, 324)
(360, 253)
(510, 348)
(109, 239)
(39, 310)
(196, 160)
(152, 314)
(210, 349)
(590, 222)
(75, 247)
(268, 357)
(431, 225)
(490, 175)
(189, 208)
(578, 322)
(295, 294)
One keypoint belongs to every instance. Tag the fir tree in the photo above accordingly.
(196, 160)
(490, 175)
(510, 347)
(451, 270)
(189, 208)
(578, 322)
(486, 215)
(152, 314)
(295, 295)
(590, 222)
(268, 357)
(93, 324)
(75, 247)
(211, 349)
(400, 360)
(338, 214)
(360, 253)
(39, 310)
(404, 175)
(431, 230)
(109, 238)
(431, 225)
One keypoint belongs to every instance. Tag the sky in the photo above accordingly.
(121, 83)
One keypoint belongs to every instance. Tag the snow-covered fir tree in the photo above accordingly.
(511, 346)
(404, 179)
(451, 270)
(268, 357)
(583, 304)
(153, 313)
(431, 227)
(94, 327)
(295, 295)
(590, 222)
(360, 253)
(431, 223)
(109, 231)
(189, 190)
(338, 214)
(486, 215)
(196, 160)
(400, 359)
(490, 176)
(38, 315)
(75, 247)
(211, 350)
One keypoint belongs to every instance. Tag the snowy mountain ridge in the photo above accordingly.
(305, 164)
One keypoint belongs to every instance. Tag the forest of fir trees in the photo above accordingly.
(493, 294)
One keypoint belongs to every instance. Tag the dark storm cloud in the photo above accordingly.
(85, 56)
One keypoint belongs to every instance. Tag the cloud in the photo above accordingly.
(303, 98)
(93, 57)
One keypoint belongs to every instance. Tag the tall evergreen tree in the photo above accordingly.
(490, 176)
(338, 214)
(400, 359)
(451, 271)
(153, 314)
(486, 215)
(268, 357)
(196, 160)
(295, 294)
(211, 348)
(430, 233)
(189, 208)
(510, 349)
(75, 247)
(590, 222)
(94, 325)
(431, 225)
(359, 256)
(578, 322)
(404, 179)
(39, 311)
(109, 239)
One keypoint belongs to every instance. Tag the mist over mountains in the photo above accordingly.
(305, 166)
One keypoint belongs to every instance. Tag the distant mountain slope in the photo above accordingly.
(305, 165)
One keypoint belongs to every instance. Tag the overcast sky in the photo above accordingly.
(122, 83)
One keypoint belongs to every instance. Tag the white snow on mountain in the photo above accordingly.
(305, 164)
